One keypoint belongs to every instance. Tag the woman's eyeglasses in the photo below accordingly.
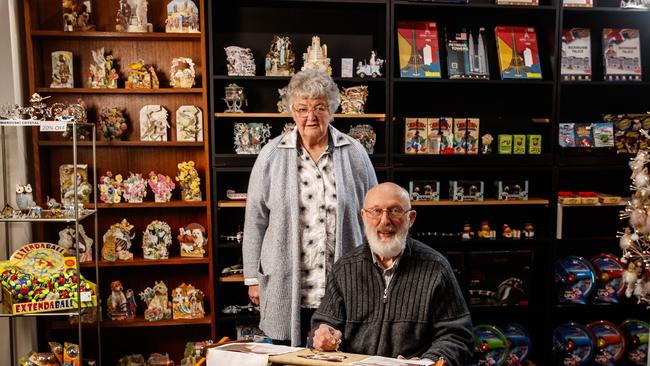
(319, 111)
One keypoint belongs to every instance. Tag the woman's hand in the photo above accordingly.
(254, 294)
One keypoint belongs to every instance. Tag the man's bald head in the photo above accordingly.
(388, 191)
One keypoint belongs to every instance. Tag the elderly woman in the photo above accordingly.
(305, 194)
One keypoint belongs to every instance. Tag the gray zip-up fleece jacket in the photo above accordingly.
(422, 313)
(271, 248)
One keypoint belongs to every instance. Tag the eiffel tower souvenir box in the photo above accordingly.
(518, 53)
(418, 50)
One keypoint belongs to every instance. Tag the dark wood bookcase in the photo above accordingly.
(43, 35)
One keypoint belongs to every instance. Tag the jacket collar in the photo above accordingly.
(290, 139)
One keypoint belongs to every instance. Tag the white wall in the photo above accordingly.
(11, 23)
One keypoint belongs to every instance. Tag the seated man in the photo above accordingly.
(393, 296)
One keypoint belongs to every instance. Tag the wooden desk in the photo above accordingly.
(294, 358)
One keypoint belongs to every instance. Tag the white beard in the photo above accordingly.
(387, 248)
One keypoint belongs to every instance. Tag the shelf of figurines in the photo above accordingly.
(234, 278)
(517, 82)
(35, 215)
(118, 143)
(464, 5)
(373, 116)
(139, 262)
(487, 202)
(152, 204)
(137, 322)
(94, 35)
(287, 78)
(119, 91)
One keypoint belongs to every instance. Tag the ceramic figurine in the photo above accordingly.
(38, 110)
(156, 240)
(132, 360)
(282, 107)
(280, 59)
(153, 123)
(67, 239)
(187, 302)
(117, 242)
(189, 181)
(132, 16)
(353, 99)
(506, 231)
(467, 233)
(112, 123)
(250, 137)
(529, 230)
(120, 306)
(158, 305)
(161, 186)
(77, 15)
(24, 198)
(102, 72)
(193, 240)
(486, 141)
(484, 233)
(66, 179)
(316, 57)
(182, 73)
(189, 123)
(365, 135)
(182, 17)
(235, 98)
(158, 359)
(110, 189)
(373, 68)
(62, 76)
(240, 61)
(135, 188)
(141, 76)
(72, 112)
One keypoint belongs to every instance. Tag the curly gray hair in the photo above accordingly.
(312, 84)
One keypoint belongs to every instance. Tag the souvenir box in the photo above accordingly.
(434, 139)
(518, 144)
(505, 144)
(415, 132)
(30, 273)
(621, 54)
(518, 2)
(534, 144)
(467, 53)
(424, 190)
(472, 136)
(466, 190)
(418, 50)
(500, 278)
(627, 138)
(518, 53)
(576, 54)
(460, 132)
(512, 189)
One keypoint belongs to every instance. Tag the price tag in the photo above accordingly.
(53, 127)
(86, 296)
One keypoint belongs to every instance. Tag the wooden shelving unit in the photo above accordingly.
(43, 35)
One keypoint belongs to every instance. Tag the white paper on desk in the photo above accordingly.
(218, 357)
(259, 348)
(386, 361)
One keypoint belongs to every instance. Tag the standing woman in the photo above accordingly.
(302, 212)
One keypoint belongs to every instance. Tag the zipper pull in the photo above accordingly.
(385, 295)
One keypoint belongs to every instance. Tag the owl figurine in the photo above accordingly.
(24, 197)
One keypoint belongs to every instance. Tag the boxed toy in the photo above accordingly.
(500, 278)
(534, 144)
(505, 144)
(518, 54)
(512, 189)
(466, 190)
(415, 133)
(418, 50)
(424, 190)
(519, 144)
(433, 135)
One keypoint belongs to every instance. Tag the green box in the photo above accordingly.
(534, 144)
(518, 144)
(505, 144)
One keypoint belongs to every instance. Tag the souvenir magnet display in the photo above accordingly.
(575, 279)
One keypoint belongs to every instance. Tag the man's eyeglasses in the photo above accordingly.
(319, 111)
(393, 213)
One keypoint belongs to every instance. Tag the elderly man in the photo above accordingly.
(393, 296)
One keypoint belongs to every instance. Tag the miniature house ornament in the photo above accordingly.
(240, 61)
(117, 242)
(193, 241)
(235, 98)
(182, 17)
(182, 73)
(187, 302)
(132, 16)
(316, 57)
(189, 123)
(156, 240)
(353, 99)
(158, 305)
(251, 137)
(141, 76)
(280, 59)
(153, 123)
(62, 75)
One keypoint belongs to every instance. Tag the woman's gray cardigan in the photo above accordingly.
(271, 248)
